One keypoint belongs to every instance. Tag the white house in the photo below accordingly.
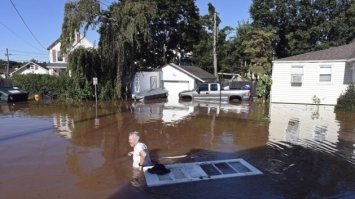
(179, 78)
(31, 68)
(315, 76)
(57, 60)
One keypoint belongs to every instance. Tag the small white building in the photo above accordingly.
(315, 76)
(31, 68)
(145, 80)
(179, 78)
(58, 60)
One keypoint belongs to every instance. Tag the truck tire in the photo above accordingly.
(235, 99)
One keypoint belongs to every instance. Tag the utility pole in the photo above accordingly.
(215, 45)
(8, 63)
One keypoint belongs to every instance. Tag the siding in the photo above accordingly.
(283, 92)
(144, 80)
(172, 74)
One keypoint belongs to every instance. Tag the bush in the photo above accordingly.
(54, 86)
(263, 87)
(346, 101)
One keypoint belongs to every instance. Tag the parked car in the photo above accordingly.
(213, 91)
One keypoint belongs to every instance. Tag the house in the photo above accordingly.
(57, 60)
(315, 77)
(31, 68)
(179, 78)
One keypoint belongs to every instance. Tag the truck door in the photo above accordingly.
(214, 91)
(202, 92)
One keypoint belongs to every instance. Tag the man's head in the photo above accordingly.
(133, 138)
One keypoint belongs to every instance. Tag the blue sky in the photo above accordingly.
(44, 19)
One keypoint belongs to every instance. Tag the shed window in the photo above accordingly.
(325, 73)
(296, 75)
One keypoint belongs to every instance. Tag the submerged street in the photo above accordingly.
(77, 151)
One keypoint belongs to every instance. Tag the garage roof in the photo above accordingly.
(195, 72)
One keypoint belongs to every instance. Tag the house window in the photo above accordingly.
(296, 76)
(325, 73)
(60, 56)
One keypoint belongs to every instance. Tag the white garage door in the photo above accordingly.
(175, 87)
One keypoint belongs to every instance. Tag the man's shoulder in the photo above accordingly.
(141, 145)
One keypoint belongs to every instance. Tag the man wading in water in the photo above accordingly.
(140, 151)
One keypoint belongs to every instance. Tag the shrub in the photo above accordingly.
(54, 86)
(263, 87)
(346, 101)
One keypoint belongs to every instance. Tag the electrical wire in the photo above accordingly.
(28, 28)
(15, 34)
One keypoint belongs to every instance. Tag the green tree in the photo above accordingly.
(203, 50)
(259, 50)
(83, 66)
(303, 26)
(175, 28)
(134, 35)
(346, 101)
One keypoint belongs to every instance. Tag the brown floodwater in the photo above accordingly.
(52, 150)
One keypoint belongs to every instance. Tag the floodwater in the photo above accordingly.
(78, 151)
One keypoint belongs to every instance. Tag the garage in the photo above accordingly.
(178, 78)
(175, 87)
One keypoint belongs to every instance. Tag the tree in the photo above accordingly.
(202, 52)
(303, 26)
(175, 28)
(259, 50)
(84, 65)
(134, 35)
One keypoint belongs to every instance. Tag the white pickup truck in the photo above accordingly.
(213, 91)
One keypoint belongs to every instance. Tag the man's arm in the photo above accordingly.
(142, 156)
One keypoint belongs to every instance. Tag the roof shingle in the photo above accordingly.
(344, 52)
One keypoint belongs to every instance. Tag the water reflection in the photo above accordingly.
(171, 113)
(64, 125)
(304, 151)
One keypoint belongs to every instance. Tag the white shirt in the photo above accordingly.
(136, 157)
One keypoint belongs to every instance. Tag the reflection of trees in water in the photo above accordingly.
(303, 173)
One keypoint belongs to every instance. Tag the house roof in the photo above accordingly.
(340, 53)
(24, 67)
(195, 72)
(53, 44)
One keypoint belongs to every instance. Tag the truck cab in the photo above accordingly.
(214, 92)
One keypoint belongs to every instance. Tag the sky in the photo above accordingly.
(44, 20)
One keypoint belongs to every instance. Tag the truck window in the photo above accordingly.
(203, 87)
(214, 87)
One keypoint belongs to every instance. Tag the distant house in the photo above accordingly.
(322, 75)
(179, 78)
(57, 60)
(31, 68)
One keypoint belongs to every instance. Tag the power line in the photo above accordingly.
(14, 33)
(28, 52)
(26, 25)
